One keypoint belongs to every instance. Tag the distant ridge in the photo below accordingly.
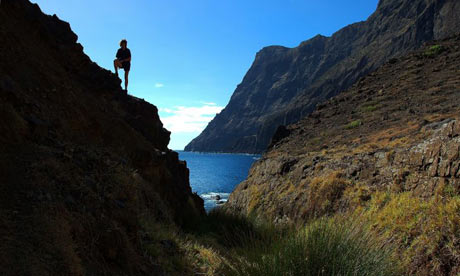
(283, 85)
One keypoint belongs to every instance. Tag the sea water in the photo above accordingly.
(213, 176)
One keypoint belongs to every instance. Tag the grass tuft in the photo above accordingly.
(324, 194)
(353, 124)
(434, 51)
(369, 108)
(426, 231)
(324, 247)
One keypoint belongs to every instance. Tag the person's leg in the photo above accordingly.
(126, 80)
(116, 65)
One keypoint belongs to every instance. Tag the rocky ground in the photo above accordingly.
(393, 135)
(83, 166)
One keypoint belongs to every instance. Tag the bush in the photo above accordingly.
(325, 247)
(369, 108)
(353, 124)
(433, 51)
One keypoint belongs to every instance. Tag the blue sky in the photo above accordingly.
(189, 56)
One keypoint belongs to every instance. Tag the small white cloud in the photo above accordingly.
(159, 85)
(166, 110)
(186, 119)
(208, 103)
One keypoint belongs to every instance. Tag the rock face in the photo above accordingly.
(81, 163)
(284, 85)
(395, 133)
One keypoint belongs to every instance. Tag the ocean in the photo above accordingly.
(213, 176)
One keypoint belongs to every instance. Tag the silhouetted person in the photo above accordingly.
(123, 60)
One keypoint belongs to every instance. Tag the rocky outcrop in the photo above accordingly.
(82, 164)
(393, 137)
(283, 85)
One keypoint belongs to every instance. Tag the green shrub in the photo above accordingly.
(353, 124)
(369, 108)
(433, 50)
(325, 247)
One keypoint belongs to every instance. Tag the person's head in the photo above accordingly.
(123, 43)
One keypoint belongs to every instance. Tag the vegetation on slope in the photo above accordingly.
(380, 197)
(227, 244)
(390, 234)
(385, 152)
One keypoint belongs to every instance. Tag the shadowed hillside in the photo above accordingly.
(82, 165)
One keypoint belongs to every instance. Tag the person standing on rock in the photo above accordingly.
(123, 60)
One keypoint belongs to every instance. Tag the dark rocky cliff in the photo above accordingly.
(81, 164)
(386, 150)
(284, 85)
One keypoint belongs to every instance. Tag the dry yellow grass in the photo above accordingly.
(324, 193)
(425, 232)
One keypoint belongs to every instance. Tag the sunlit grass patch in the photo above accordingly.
(324, 193)
(324, 247)
(426, 231)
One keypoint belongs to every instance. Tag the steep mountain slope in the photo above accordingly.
(82, 165)
(284, 85)
(387, 150)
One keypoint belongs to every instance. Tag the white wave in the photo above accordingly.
(215, 196)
